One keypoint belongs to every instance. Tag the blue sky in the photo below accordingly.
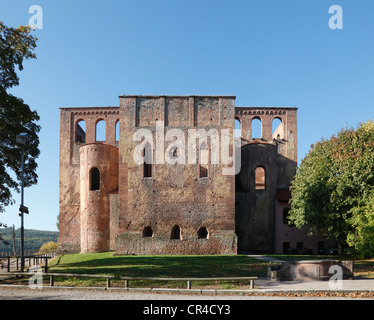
(266, 53)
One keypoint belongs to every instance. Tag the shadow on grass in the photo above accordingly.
(162, 266)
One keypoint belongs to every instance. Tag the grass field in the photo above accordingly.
(159, 266)
(170, 266)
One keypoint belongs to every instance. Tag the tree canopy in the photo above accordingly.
(16, 45)
(333, 189)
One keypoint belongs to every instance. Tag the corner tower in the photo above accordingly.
(86, 210)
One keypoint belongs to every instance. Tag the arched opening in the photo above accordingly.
(202, 233)
(176, 233)
(100, 130)
(94, 179)
(80, 132)
(203, 160)
(238, 128)
(147, 232)
(277, 129)
(260, 178)
(147, 165)
(117, 130)
(256, 128)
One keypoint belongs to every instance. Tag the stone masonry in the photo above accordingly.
(109, 202)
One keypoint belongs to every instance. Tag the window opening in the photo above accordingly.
(260, 178)
(80, 132)
(95, 179)
(147, 165)
(100, 130)
(202, 233)
(147, 232)
(256, 128)
(175, 232)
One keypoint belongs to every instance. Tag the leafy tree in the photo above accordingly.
(362, 220)
(332, 191)
(48, 247)
(16, 45)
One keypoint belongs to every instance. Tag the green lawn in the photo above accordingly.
(364, 268)
(159, 266)
(170, 266)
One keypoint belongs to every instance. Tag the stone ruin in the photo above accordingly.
(309, 270)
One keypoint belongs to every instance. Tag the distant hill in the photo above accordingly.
(33, 239)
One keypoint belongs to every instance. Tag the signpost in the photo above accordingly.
(22, 139)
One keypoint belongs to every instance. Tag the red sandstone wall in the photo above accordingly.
(69, 215)
(95, 204)
(175, 195)
(276, 152)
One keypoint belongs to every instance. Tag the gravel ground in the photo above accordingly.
(13, 293)
(25, 293)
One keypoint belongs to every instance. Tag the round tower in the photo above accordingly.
(98, 178)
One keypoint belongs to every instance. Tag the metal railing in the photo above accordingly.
(108, 278)
(32, 259)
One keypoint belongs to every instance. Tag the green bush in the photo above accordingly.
(48, 247)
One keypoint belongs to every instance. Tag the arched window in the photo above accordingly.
(176, 233)
(202, 233)
(100, 130)
(147, 232)
(260, 178)
(117, 130)
(148, 157)
(203, 160)
(80, 132)
(94, 179)
(256, 128)
(238, 130)
(277, 129)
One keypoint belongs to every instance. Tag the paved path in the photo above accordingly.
(47, 293)
(266, 285)
(264, 258)
(358, 284)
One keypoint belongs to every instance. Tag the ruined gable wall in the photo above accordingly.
(174, 195)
